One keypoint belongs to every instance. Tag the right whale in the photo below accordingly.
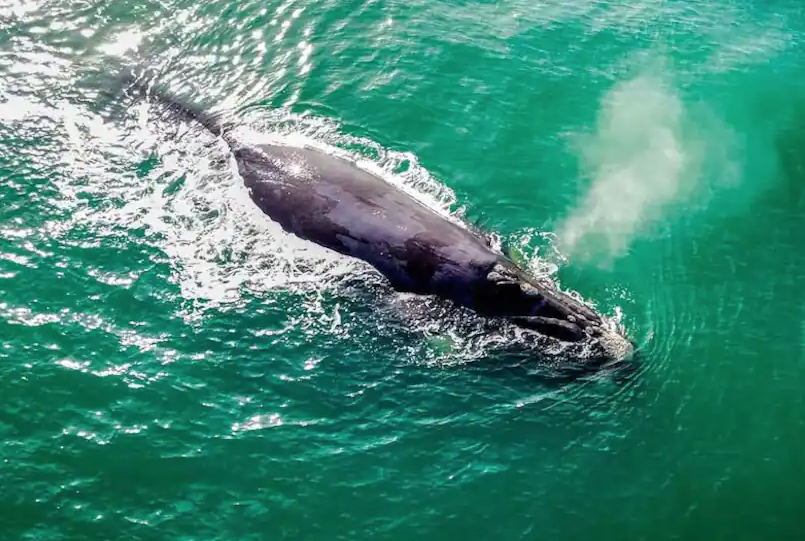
(333, 203)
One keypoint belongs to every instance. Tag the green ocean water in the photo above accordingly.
(174, 366)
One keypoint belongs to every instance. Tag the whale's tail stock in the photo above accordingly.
(141, 85)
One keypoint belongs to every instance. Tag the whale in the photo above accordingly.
(330, 201)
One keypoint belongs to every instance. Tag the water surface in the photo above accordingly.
(174, 366)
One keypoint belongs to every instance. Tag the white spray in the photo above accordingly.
(637, 164)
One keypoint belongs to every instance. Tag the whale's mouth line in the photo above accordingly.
(565, 330)
(612, 346)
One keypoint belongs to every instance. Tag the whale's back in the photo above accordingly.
(334, 203)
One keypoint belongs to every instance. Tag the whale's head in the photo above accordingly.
(541, 306)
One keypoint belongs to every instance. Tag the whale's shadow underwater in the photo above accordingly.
(332, 202)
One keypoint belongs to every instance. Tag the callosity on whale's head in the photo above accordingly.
(542, 306)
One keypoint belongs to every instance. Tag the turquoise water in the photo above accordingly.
(175, 367)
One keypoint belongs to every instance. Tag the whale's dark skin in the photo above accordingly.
(333, 203)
